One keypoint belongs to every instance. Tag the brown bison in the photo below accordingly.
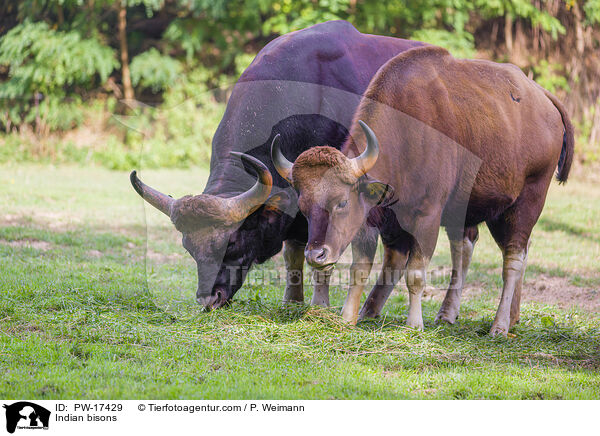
(456, 143)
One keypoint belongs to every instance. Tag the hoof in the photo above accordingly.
(417, 325)
(445, 318)
(350, 320)
(367, 315)
(498, 331)
(289, 301)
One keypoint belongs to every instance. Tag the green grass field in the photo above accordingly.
(85, 313)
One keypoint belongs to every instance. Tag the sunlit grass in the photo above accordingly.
(85, 314)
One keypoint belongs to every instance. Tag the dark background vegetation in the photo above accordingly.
(91, 81)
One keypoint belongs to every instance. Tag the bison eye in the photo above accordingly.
(342, 204)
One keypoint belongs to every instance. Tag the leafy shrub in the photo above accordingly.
(586, 150)
(45, 67)
(58, 59)
(154, 70)
(550, 76)
(115, 156)
(461, 45)
(179, 132)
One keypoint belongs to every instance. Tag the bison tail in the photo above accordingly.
(568, 147)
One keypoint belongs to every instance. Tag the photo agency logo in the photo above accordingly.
(24, 415)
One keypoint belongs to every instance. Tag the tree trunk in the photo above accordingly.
(595, 133)
(125, 75)
(508, 33)
(494, 34)
(61, 14)
(579, 33)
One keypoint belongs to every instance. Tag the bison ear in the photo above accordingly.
(379, 194)
(278, 202)
(275, 207)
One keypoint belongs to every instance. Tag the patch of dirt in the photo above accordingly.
(11, 220)
(558, 291)
(25, 328)
(94, 253)
(89, 135)
(162, 258)
(43, 220)
(28, 243)
(56, 220)
(544, 289)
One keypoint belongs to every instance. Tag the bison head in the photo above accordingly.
(214, 229)
(334, 194)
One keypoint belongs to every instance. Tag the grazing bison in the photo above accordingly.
(305, 86)
(462, 142)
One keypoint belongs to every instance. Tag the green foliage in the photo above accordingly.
(113, 154)
(154, 70)
(243, 61)
(179, 132)
(47, 65)
(587, 151)
(461, 45)
(550, 76)
(20, 149)
(60, 54)
(185, 34)
(42, 60)
(521, 9)
(592, 11)
(293, 15)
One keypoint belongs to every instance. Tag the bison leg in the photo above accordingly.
(293, 255)
(513, 269)
(515, 306)
(321, 288)
(461, 251)
(394, 262)
(511, 230)
(363, 252)
(415, 281)
(423, 246)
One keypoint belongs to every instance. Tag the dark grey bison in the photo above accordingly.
(304, 86)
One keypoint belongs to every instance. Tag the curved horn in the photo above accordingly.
(282, 165)
(157, 199)
(363, 163)
(244, 204)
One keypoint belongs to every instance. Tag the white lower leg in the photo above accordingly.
(512, 273)
(359, 275)
(351, 305)
(415, 280)
(415, 316)
(515, 307)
